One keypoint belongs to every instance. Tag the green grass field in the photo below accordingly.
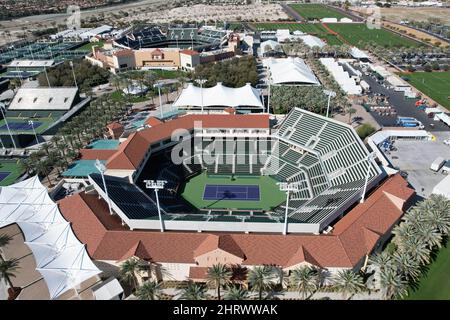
(88, 46)
(45, 123)
(435, 284)
(360, 35)
(433, 84)
(270, 195)
(14, 170)
(316, 11)
(315, 29)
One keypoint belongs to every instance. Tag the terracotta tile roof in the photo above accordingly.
(189, 52)
(353, 237)
(198, 273)
(114, 125)
(93, 154)
(223, 242)
(122, 53)
(152, 121)
(132, 151)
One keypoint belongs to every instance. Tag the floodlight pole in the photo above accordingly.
(73, 73)
(330, 94)
(201, 82)
(46, 76)
(159, 85)
(268, 100)
(31, 123)
(2, 105)
(288, 187)
(369, 158)
(156, 185)
(100, 167)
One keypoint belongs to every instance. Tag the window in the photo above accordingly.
(20, 99)
(50, 100)
(65, 99)
(34, 100)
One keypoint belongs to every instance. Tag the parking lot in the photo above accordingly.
(415, 157)
(404, 107)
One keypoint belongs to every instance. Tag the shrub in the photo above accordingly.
(365, 130)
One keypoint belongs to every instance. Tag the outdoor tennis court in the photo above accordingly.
(3, 175)
(20, 126)
(236, 192)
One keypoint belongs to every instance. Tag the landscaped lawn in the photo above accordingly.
(359, 35)
(436, 85)
(435, 284)
(88, 46)
(10, 172)
(315, 29)
(270, 195)
(316, 11)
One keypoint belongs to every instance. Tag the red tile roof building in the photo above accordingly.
(186, 254)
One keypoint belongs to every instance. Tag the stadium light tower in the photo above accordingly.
(73, 73)
(159, 85)
(2, 109)
(201, 82)
(369, 159)
(31, 123)
(330, 94)
(288, 187)
(101, 167)
(156, 185)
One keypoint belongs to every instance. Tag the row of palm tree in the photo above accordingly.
(64, 146)
(262, 280)
(419, 235)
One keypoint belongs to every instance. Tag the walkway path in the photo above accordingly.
(291, 12)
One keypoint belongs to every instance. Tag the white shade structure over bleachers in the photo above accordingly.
(219, 95)
(60, 257)
(290, 70)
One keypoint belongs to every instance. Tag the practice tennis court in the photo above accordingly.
(3, 175)
(20, 126)
(235, 192)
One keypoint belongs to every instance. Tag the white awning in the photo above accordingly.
(443, 187)
(219, 95)
(290, 70)
(61, 259)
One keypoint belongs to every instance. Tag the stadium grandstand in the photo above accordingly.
(175, 37)
(227, 171)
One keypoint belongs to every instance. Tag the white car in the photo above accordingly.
(447, 142)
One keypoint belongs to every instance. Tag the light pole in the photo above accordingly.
(331, 94)
(201, 82)
(73, 73)
(268, 99)
(156, 185)
(31, 123)
(288, 187)
(159, 85)
(369, 159)
(46, 76)
(101, 167)
(2, 106)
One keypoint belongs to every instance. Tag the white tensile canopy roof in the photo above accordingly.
(358, 54)
(61, 259)
(219, 95)
(312, 41)
(290, 70)
(443, 187)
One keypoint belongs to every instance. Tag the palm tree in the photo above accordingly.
(305, 280)
(261, 279)
(381, 260)
(8, 269)
(193, 291)
(348, 282)
(128, 271)
(429, 235)
(4, 241)
(236, 293)
(218, 275)
(392, 284)
(416, 248)
(42, 168)
(150, 290)
(407, 265)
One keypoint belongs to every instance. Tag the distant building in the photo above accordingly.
(189, 59)
(23, 69)
(115, 130)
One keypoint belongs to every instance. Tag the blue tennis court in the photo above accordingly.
(20, 126)
(3, 175)
(231, 192)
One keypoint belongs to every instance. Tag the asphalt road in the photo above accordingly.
(291, 12)
(405, 108)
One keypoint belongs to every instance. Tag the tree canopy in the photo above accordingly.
(284, 98)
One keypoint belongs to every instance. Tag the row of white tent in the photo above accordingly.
(345, 81)
(219, 95)
(290, 71)
(60, 257)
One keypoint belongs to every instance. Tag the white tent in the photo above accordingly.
(219, 95)
(68, 270)
(50, 237)
(312, 41)
(443, 187)
(290, 70)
